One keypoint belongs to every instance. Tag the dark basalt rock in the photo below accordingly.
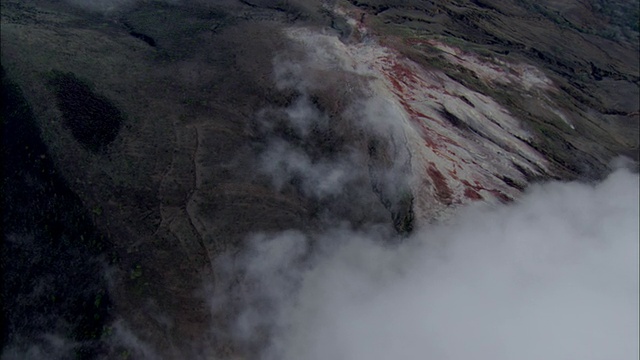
(52, 276)
(146, 38)
(93, 120)
(138, 35)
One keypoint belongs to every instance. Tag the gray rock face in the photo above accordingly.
(183, 128)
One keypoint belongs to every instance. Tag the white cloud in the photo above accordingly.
(319, 178)
(551, 276)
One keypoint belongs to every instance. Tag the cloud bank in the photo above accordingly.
(552, 276)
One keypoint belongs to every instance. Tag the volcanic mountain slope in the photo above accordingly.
(178, 129)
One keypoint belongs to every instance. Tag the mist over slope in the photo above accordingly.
(266, 179)
(552, 276)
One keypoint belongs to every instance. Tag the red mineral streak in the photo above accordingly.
(449, 141)
(471, 191)
(396, 84)
(403, 72)
(413, 112)
(472, 194)
(443, 192)
(500, 195)
(412, 92)
(431, 139)
(450, 160)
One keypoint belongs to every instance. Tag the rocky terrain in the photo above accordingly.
(145, 141)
